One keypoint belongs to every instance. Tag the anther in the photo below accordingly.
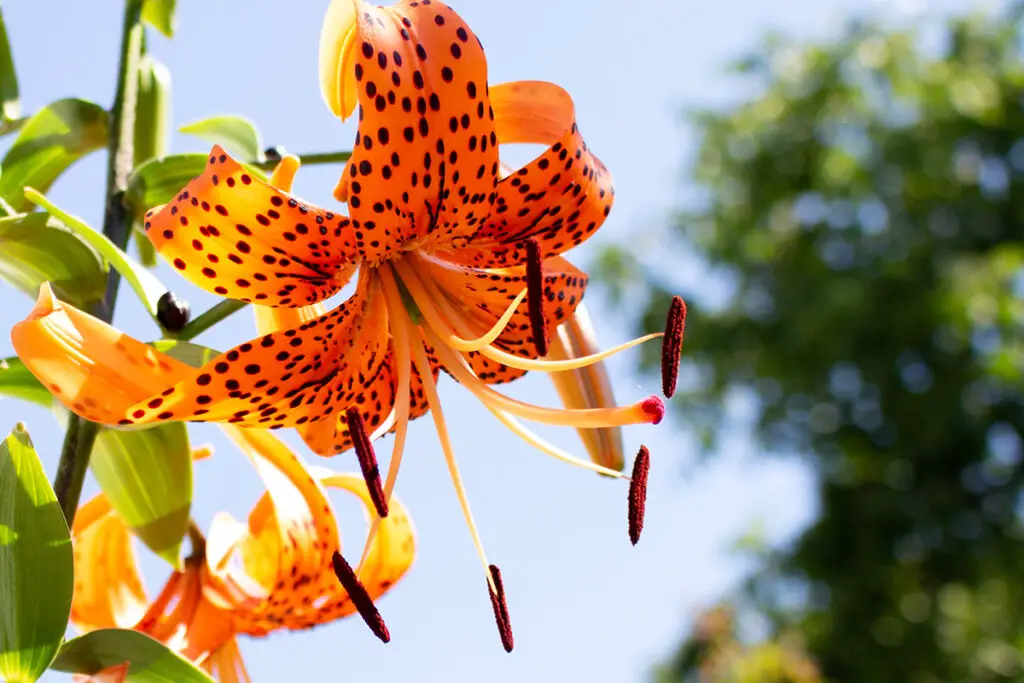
(360, 598)
(500, 607)
(672, 345)
(535, 296)
(638, 493)
(367, 459)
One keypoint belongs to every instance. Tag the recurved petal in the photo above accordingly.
(560, 198)
(108, 588)
(481, 296)
(337, 53)
(111, 674)
(237, 236)
(94, 369)
(425, 131)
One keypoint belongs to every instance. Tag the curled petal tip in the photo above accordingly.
(46, 302)
(654, 407)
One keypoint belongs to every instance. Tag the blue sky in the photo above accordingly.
(583, 602)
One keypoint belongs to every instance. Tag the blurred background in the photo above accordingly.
(835, 187)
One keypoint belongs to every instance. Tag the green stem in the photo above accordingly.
(12, 125)
(310, 159)
(209, 318)
(81, 434)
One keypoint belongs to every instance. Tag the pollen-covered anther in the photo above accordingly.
(672, 345)
(367, 460)
(360, 598)
(535, 296)
(500, 606)
(638, 493)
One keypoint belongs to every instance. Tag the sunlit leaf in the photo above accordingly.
(147, 477)
(10, 106)
(17, 382)
(152, 134)
(150, 661)
(237, 134)
(187, 352)
(146, 286)
(157, 181)
(160, 15)
(37, 248)
(36, 565)
(51, 140)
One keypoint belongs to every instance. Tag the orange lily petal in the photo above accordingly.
(337, 52)
(226, 665)
(482, 296)
(94, 369)
(112, 674)
(426, 161)
(291, 536)
(232, 234)
(560, 198)
(108, 588)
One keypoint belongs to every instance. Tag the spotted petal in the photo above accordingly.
(234, 235)
(425, 161)
(560, 198)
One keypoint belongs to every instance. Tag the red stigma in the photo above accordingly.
(638, 493)
(672, 345)
(501, 609)
(360, 598)
(655, 407)
(535, 296)
(367, 460)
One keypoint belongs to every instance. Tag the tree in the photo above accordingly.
(868, 205)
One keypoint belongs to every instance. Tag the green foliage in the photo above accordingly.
(36, 248)
(152, 133)
(160, 15)
(868, 207)
(236, 133)
(36, 573)
(17, 382)
(53, 139)
(151, 661)
(10, 106)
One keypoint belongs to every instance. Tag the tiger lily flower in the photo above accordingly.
(456, 263)
(247, 579)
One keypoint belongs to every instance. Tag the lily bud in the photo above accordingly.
(587, 387)
(152, 131)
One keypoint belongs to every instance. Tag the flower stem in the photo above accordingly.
(209, 318)
(309, 159)
(81, 434)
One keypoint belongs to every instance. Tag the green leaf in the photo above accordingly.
(37, 248)
(147, 476)
(16, 381)
(151, 661)
(146, 285)
(54, 138)
(152, 110)
(237, 134)
(36, 565)
(157, 181)
(187, 352)
(160, 15)
(10, 106)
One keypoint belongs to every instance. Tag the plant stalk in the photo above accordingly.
(81, 434)
(209, 318)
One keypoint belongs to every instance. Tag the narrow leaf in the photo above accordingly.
(147, 476)
(37, 248)
(10, 106)
(147, 287)
(54, 138)
(152, 110)
(160, 15)
(36, 565)
(150, 661)
(17, 382)
(236, 133)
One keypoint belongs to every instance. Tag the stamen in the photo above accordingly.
(672, 345)
(638, 493)
(500, 606)
(650, 410)
(535, 296)
(360, 598)
(367, 459)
